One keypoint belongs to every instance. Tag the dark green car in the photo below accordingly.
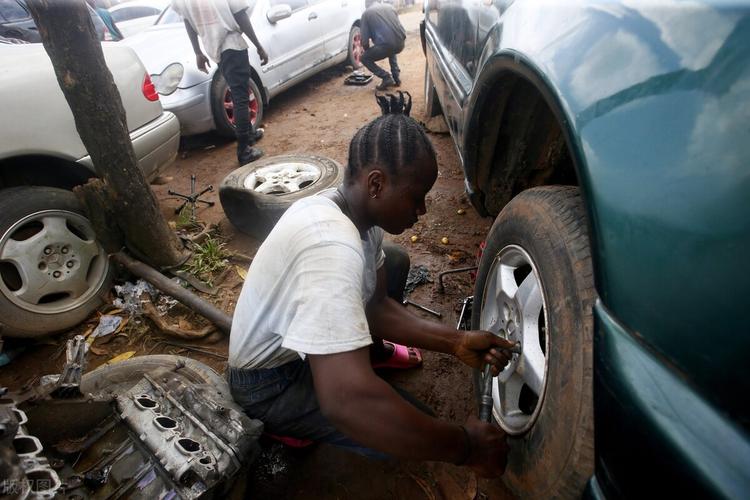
(611, 141)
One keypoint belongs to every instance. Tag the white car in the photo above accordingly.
(53, 271)
(136, 15)
(301, 37)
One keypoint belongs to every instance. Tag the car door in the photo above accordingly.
(333, 24)
(293, 43)
(452, 28)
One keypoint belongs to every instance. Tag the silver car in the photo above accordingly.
(53, 270)
(301, 37)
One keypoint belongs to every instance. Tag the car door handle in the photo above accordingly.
(312, 16)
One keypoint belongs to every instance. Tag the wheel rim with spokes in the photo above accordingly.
(51, 262)
(229, 106)
(513, 306)
(282, 178)
(357, 49)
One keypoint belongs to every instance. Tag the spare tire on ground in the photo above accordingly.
(256, 195)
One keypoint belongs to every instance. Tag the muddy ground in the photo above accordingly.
(320, 116)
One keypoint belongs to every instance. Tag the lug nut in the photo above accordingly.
(47, 250)
(70, 264)
(57, 274)
(64, 249)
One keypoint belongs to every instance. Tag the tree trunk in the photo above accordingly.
(70, 39)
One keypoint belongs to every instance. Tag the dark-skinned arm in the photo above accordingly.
(367, 409)
(390, 320)
(247, 28)
(200, 59)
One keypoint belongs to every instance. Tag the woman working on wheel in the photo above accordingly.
(315, 302)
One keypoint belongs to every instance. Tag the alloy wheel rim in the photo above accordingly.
(357, 49)
(283, 178)
(513, 307)
(51, 262)
(229, 106)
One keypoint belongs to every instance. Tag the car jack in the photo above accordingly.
(192, 198)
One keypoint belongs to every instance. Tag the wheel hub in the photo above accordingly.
(53, 262)
(57, 261)
(282, 178)
(513, 308)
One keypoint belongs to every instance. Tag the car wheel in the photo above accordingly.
(256, 195)
(535, 286)
(354, 57)
(223, 108)
(431, 103)
(53, 271)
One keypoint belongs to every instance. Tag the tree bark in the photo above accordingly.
(70, 39)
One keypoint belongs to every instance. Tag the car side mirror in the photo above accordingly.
(278, 12)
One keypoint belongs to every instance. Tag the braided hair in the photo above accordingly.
(393, 140)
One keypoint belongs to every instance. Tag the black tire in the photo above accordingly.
(66, 302)
(552, 455)
(256, 213)
(220, 92)
(353, 54)
(109, 380)
(431, 102)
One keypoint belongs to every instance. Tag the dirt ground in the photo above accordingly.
(320, 116)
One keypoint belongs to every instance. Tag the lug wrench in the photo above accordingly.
(485, 405)
(425, 309)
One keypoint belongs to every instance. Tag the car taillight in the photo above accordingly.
(149, 91)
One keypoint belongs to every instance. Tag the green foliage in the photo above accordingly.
(208, 258)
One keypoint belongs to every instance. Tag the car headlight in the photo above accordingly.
(167, 82)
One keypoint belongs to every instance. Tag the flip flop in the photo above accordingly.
(402, 357)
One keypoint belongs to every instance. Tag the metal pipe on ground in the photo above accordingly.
(216, 316)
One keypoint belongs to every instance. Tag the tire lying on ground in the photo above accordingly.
(53, 271)
(256, 195)
(535, 284)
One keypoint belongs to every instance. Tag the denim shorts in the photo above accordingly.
(284, 399)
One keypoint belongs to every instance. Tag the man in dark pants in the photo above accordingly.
(220, 25)
(381, 25)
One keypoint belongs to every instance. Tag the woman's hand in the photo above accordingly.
(477, 348)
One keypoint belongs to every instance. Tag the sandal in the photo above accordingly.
(402, 358)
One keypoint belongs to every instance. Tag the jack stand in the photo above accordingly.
(192, 198)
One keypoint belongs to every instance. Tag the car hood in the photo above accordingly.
(159, 46)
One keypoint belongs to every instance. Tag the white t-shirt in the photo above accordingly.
(214, 22)
(307, 288)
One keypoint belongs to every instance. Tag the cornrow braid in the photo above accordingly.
(393, 140)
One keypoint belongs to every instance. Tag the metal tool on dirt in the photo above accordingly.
(485, 404)
(423, 308)
(192, 198)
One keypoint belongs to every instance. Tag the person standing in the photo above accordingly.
(380, 24)
(220, 25)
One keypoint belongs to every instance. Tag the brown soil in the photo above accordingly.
(320, 116)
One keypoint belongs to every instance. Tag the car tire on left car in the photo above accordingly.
(223, 109)
(53, 271)
(354, 55)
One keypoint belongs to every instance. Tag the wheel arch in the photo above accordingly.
(42, 170)
(509, 83)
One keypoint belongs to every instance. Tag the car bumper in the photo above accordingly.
(193, 108)
(155, 144)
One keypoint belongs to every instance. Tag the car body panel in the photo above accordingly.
(29, 72)
(292, 56)
(135, 16)
(654, 100)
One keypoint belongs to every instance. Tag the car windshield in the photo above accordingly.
(169, 16)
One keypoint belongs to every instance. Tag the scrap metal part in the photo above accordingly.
(24, 471)
(163, 436)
